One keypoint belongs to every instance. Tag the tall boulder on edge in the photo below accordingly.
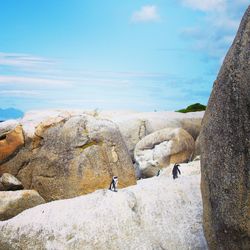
(225, 156)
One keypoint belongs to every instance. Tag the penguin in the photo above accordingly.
(113, 184)
(176, 170)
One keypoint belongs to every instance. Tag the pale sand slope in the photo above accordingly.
(157, 213)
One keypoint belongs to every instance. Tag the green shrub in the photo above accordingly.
(193, 108)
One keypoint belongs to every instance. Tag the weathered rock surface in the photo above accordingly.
(225, 157)
(134, 126)
(161, 148)
(10, 182)
(158, 213)
(34, 121)
(68, 156)
(10, 142)
(14, 202)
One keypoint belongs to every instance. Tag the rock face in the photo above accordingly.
(10, 183)
(225, 155)
(14, 202)
(68, 156)
(161, 148)
(155, 214)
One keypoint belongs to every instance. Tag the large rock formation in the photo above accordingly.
(158, 213)
(47, 160)
(67, 156)
(161, 148)
(225, 141)
(14, 202)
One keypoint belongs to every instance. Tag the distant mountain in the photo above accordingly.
(10, 113)
(193, 108)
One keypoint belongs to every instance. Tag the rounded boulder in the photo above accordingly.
(162, 148)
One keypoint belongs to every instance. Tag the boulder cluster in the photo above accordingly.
(57, 155)
(64, 154)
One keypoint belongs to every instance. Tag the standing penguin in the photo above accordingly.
(113, 184)
(176, 170)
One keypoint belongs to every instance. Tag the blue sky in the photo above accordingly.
(109, 54)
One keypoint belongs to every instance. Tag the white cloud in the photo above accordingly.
(19, 93)
(243, 1)
(221, 19)
(147, 13)
(206, 5)
(25, 77)
(224, 22)
(20, 60)
(4, 79)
